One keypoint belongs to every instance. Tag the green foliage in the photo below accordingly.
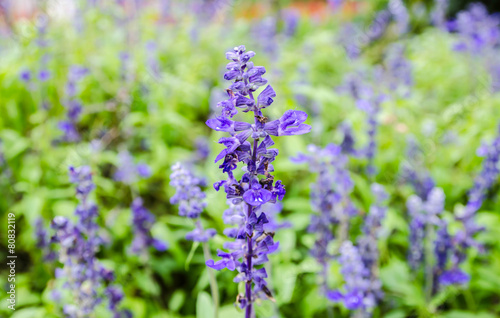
(159, 118)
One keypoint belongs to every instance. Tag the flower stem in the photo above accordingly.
(248, 287)
(213, 282)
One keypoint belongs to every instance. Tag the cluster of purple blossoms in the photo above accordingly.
(424, 214)
(479, 35)
(256, 186)
(87, 280)
(414, 172)
(368, 99)
(398, 70)
(373, 221)
(348, 144)
(363, 288)
(438, 14)
(400, 15)
(291, 19)
(128, 172)
(350, 38)
(379, 25)
(478, 31)
(72, 104)
(358, 288)
(43, 241)
(330, 199)
(464, 239)
(152, 62)
(142, 221)
(42, 23)
(190, 199)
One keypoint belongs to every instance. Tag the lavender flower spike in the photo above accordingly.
(142, 221)
(330, 199)
(257, 185)
(191, 203)
(464, 239)
(190, 198)
(79, 242)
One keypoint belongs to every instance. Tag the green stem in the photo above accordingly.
(213, 282)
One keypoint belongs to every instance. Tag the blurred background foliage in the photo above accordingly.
(159, 115)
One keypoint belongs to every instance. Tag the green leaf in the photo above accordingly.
(204, 306)
(190, 255)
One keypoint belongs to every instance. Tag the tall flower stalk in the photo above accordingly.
(190, 199)
(330, 200)
(79, 242)
(464, 239)
(256, 186)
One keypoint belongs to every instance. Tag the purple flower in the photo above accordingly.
(142, 221)
(414, 172)
(360, 292)
(329, 199)
(79, 242)
(188, 194)
(250, 143)
(72, 104)
(400, 15)
(128, 172)
(190, 199)
(25, 76)
(454, 277)
(464, 238)
(478, 30)
(438, 14)
(43, 240)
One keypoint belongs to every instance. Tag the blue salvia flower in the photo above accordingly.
(357, 290)
(202, 149)
(348, 144)
(350, 37)
(142, 221)
(42, 240)
(478, 30)
(190, 199)
(438, 14)
(330, 199)
(266, 30)
(400, 15)
(369, 100)
(152, 58)
(79, 243)
(398, 70)
(72, 104)
(42, 22)
(371, 227)
(423, 213)
(363, 288)
(494, 69)
(370, 104)
(379, 25)
(464, 239)
(414, 172)
(25, 76)
(256, 186)
(291, 19)
(128, 172)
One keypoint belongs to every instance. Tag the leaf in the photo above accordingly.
(190, 255)
(204, 306)
(465, 314)
(30, 312)
(177, 300)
